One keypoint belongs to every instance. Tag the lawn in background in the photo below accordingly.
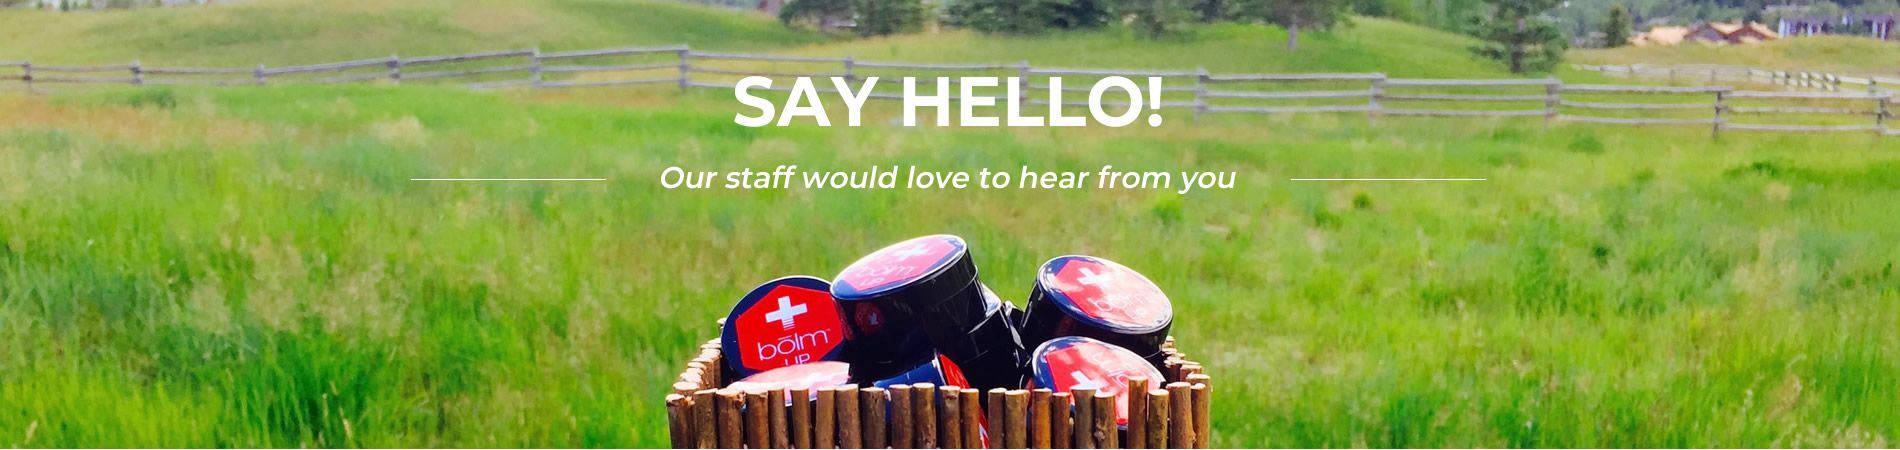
(253, 267)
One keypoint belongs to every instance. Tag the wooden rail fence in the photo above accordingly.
(1714, 73)
(1371, 94)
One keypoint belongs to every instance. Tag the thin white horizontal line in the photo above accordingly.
(1389, 179)
(507, 179)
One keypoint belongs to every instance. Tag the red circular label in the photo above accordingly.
(896, 264)
(789, 325)
(798, 377)
(1111, 292)
(1087, 363)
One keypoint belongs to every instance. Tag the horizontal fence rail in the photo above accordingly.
(1836, 103)
(1712, 73)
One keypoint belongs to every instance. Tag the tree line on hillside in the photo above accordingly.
(1582, 17)
(1518, 33)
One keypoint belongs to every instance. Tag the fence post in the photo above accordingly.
(138, 74)
(1550, 100)
(1880, 116)
(1721, 105)
(534, 68)
(26, 75)
(1375, 107)
(850, 70)
(1022, 71)
(684, 52)
(258, 74)
(1200, 91)
(395, 69)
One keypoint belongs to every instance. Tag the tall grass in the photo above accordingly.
(252, 267)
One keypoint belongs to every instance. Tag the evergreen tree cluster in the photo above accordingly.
(866, 17)
(1519, 34)
(1027, 16)
(1524, 35)
(1616, 31)
(1151, 18)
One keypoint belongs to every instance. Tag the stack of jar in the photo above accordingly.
(916, 312)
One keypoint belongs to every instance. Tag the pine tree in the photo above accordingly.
(1027, 16)
(1210, 11)
(882, 17)
(996, 16)
(1155, 18)
(821, 12)
(1616, 32)
(1517, 33)
(1073, 14)
(1296, 15)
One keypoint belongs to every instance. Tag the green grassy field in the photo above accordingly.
(253, 267)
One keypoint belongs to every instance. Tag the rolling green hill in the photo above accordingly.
(1366, 45)
(308, 31)
(286, 32)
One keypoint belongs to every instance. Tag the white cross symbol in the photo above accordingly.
(786, 312)
(911, 250)
(1089, 277)
(1082, 381)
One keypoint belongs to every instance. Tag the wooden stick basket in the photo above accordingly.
(1171, 413)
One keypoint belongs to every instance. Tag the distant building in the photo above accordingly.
(1803, 26)
(1732, 33)
(1712, 33)
(1881, 26)
(1662, 36)
(1877, 26)
(1707, 33)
